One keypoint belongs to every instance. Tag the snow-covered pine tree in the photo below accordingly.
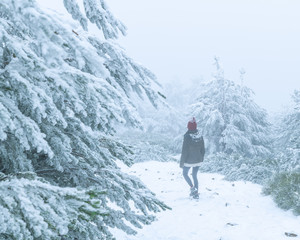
(229, 119)
(284, 187)
(62, 92)
(288, 142)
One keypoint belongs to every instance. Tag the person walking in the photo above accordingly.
(192, 155)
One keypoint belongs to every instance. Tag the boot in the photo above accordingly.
(196, 195)
(193, 191)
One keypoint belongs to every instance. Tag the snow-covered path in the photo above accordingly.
(224, 211)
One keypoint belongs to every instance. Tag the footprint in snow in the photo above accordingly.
(290, 234)
(231, 224)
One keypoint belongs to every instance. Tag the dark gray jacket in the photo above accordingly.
(193, 149)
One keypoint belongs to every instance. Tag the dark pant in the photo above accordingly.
(194, 174)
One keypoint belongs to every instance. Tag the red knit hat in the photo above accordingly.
(192, 125)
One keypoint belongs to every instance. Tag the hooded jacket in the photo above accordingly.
(193, 149)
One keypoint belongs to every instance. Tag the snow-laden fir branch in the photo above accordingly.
(97, 12)
(62, 94)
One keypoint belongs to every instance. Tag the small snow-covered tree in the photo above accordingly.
(62, 94)
(229, 119)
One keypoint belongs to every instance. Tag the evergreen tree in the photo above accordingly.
(229, 119)
(62, 94)
(288, 142)
(284, 186)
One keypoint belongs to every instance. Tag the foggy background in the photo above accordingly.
(178, 40)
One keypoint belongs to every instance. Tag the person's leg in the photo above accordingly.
(186, 176)
(194, 174)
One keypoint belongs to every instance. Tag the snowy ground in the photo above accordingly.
(224, 211)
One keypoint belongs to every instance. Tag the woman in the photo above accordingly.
(192, 155)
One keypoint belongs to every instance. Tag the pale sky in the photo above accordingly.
(179, 39)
